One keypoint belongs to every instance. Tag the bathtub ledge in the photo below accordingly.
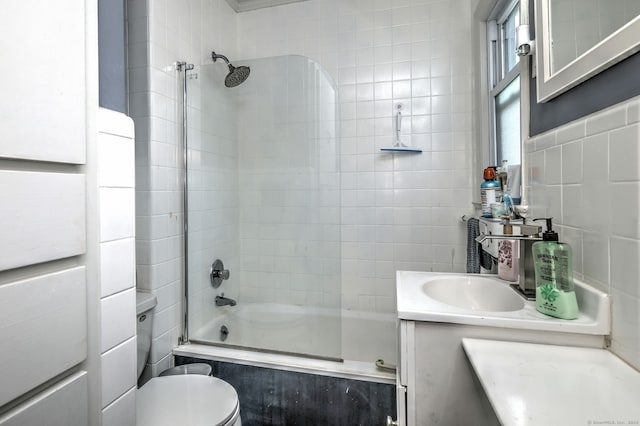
(355, 370)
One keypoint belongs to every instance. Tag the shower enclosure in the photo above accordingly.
(264, 197)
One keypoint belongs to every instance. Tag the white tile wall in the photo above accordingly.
(398, 211)
(117, 260)
(120, 364)
(117, 266)
(117, 313)
(160, 34)
(213, 193)
(118, 413)
(117, 207)
(595, 203)
(288, 186)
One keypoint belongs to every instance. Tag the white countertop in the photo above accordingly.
(531, 384)
(414, 304)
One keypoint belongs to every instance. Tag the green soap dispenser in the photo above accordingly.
(555, 291)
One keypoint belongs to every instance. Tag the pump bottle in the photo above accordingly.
(555, 291)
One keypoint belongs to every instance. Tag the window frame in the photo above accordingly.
(496, 68)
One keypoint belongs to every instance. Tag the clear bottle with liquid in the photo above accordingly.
(553, 264)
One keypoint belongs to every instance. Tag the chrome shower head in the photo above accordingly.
(237, 75)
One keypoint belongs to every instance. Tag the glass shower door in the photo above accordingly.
(269, 201)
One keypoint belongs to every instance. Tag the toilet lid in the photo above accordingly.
(192, 400)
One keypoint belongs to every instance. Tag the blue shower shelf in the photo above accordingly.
(400, 149)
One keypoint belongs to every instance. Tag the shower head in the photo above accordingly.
(236, 76)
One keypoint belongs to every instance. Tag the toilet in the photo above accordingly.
(185, 396)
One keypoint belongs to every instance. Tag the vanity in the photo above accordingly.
(436, 383)
(561, 385)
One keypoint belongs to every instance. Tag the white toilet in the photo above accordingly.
(185, 399)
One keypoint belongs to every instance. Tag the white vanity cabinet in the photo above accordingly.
(441, 388)
(434, 373)
(435, 381)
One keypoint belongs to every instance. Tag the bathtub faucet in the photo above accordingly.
(224, 301)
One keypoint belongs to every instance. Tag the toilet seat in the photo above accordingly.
(189, 400)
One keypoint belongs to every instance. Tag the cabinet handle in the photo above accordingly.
(391, 422)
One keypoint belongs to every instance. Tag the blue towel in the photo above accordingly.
(473, 248)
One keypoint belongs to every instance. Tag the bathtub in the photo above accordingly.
(295, 338)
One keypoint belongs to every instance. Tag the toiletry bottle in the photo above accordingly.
(489, 191)
(555, 293)
(513, 183)
(508, 254)
(501, 176)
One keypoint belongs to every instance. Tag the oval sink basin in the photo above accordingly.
(474, 293)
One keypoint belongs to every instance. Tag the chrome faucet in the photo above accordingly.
(529, 234)
(224, 301)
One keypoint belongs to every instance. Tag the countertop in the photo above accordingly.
(532, 384)
(413, 304)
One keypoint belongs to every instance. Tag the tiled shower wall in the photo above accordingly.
(289, 185)
(213, 190)
(162, 32)
(586, 176)
(399, 211)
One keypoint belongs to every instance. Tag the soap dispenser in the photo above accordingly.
(555, 291)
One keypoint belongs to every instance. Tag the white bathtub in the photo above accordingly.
(301, 339)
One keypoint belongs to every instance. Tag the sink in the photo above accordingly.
(474, 293)
(486, 300)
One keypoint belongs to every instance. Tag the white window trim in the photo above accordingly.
(495, 64)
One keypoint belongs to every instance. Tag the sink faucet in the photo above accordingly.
(224, 301)
(529, 234)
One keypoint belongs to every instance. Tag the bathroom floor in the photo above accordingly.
(277, 397)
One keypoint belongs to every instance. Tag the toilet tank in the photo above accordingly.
(145, 302)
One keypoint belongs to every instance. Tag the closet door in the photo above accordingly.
(43, 216)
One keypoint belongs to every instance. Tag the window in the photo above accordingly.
(505, 83)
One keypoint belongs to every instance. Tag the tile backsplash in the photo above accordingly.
(586, 176)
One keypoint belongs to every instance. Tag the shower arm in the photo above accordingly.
(215, 57)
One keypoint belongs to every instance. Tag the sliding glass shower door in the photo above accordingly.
(264, 197)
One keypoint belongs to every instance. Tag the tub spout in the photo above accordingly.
(224, 301)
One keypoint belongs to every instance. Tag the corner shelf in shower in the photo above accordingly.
(400, 149)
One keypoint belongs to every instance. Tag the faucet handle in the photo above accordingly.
(217, 273)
